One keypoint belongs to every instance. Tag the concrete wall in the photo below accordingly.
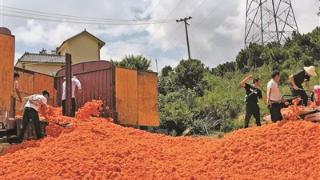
(83, 48)
(7, 46)
(49, 69)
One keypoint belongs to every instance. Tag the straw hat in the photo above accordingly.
(311, 70)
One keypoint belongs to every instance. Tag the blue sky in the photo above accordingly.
(216, 31)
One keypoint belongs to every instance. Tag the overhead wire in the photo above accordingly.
(212, 12)
(197, 24)
(32, 12)
(54, 17)
(169, 14)
(196, 8)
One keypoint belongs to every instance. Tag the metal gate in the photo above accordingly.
(97, 81)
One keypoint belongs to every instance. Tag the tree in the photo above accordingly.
(166, 70)
(242, 59)
(134, 62)
(189, 74)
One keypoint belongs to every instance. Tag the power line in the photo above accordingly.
(53, 17)
(175, 29)
(212, 12)
(201, 3)
(202, 21)
(47, 14)
(79, 21)
(169, 14)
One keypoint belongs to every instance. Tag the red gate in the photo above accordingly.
(97, 81)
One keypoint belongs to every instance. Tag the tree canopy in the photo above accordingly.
(134, 62)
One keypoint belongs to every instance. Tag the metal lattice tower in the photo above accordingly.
(269, 21)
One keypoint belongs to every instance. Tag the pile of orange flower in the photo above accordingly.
(89, 109)
(294, 111)
(99, 149)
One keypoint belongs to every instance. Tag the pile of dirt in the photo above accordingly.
(97, 148)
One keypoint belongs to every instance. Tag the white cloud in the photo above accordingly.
(31, 33)
(59, 33)
(118, 50)
(35, 33)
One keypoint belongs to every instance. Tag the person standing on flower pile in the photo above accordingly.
(296, 81)
(253, 93)
(274, 97)
(31, 106)
(75, 84)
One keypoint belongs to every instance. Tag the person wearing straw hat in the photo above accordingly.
(302, 77)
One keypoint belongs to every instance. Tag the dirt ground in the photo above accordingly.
(2, 146)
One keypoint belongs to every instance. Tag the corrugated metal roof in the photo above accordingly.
(42, 58)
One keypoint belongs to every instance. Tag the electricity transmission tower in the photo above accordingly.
(269, 21)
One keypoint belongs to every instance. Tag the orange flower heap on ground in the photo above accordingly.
(89, 109)
(99, 149)
(294, 111)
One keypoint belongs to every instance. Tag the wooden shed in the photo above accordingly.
(131, 95)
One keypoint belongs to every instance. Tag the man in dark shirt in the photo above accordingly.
(253, 93)
(298, 79)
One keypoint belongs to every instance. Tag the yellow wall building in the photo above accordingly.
(43, 63)
(83, 47)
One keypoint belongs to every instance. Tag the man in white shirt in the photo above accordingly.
(32, 105)
(274, 97)
(75, 84)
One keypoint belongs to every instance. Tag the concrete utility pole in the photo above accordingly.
(68, 84)
(185, 20)
(157, 65)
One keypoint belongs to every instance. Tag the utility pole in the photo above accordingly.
(185, 20)
(157, 65)
(68, 75)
